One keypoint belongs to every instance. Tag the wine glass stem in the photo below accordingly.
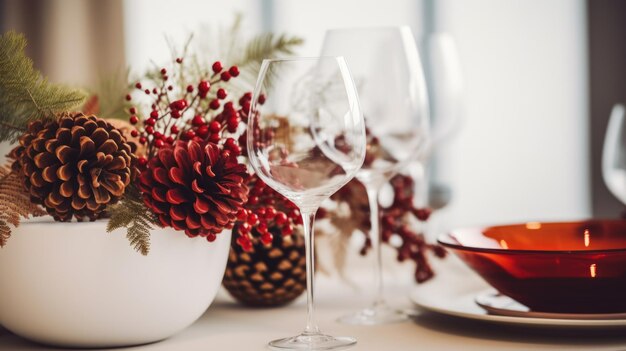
(308, 220)
(375, 238)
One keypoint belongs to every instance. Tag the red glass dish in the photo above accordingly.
(570, 267)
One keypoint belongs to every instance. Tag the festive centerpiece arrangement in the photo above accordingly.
(163, 164)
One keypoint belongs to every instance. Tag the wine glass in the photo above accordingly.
(386, 68)
(444, 79)
(306, 139)
(614, 154)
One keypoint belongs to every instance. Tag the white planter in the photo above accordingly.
(73, 284)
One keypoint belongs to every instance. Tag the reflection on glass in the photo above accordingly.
(614, 154)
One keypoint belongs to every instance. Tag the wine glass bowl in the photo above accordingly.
(387, 70)
(306, 139)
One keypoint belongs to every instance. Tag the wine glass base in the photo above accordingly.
(379, 314)
(316, 341)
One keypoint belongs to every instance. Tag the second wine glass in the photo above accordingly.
(387, 70)
(306, 139)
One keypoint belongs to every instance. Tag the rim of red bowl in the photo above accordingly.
(461, 247)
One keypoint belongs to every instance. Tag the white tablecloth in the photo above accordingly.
(228, 326)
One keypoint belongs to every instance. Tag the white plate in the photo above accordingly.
(453, 291)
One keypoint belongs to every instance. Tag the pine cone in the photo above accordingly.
(196, 188)
(74, 166)
(271, 275)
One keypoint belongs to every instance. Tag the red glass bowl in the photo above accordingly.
(569, 267)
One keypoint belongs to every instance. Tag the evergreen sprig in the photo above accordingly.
(25, 95)
(14, 203)
(132, 214)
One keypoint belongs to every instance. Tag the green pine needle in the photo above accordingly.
(132, 214)
(25, 95)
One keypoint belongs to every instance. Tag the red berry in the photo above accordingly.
(294, 213)
(229, 107)
(149, 130)
(175, 114)
(246, 107)
(190, 134)
(134, 133)
(225, 76)
(159, 143)
(221, 94)
(242, 214)
(143, 140)
(174, 130)
(190, 88)
(280, 218)
(158, 135)
(215, 104)
(133, 119)
(170, 140)
(197, 120)
(203, 131)
(170, 88)
(178, 104)
(229, 143)
(163, 71)
(236, 150)
(245, 227)
(150, 122)
(261, 99)
(128, 97)
(179, 60)
(204, 86)
(211, 237)
(217, 66)
(215, 127)
(165, 77)
(262, 228)
(423, 214)
(252, 219)
(266, 238)
(132, 110)
(154, 114)
(253, 200)
(215, 138)
(138, 85)
(142, 161)
(147, 91)
(287, 230)
(270, 212)
(234, 71)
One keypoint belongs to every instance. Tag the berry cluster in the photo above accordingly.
(180, 111)
(265, 212)
(395, 221)
(204, 112)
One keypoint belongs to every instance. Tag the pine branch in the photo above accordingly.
(109, 93)
(264, 46)
(138, 220)
(24, 94)
(14, 203)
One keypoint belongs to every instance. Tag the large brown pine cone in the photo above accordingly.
(195, 187)
(75, 165)
(271, 275)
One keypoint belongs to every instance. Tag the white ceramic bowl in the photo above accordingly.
(73, 284)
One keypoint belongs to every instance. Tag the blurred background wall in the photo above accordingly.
(524, 150)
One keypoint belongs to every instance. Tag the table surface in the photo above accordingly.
(229, 326)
